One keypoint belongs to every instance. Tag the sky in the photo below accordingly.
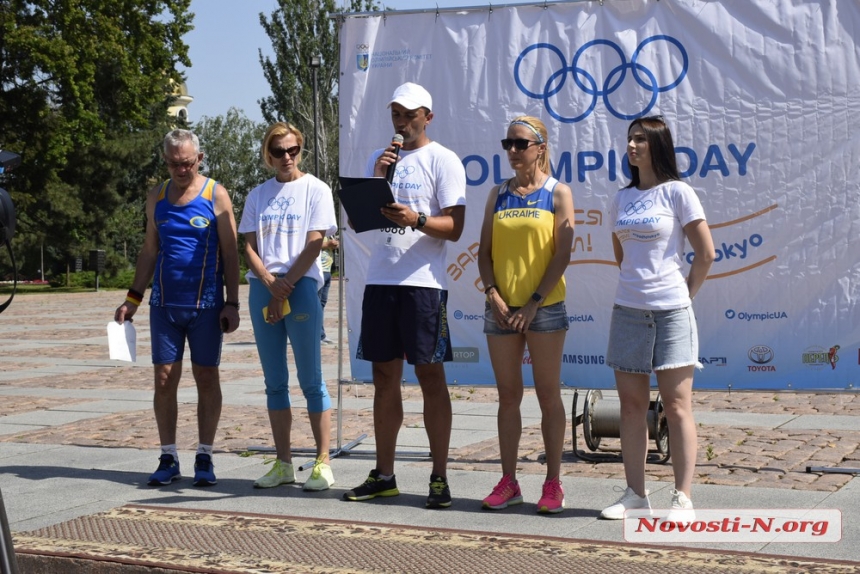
(225, 67)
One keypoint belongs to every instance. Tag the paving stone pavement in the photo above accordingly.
(56, 343)
(77, 437)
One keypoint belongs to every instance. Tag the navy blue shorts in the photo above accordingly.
(403, 321)
(169, 327)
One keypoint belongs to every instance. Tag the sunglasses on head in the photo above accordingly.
(279, 152)
(520, 144)
(657, 118)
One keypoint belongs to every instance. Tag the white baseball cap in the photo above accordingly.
(412, 96)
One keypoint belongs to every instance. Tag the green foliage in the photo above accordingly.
(231, 148)
(300, 30)
(87, 279)
(84, 91)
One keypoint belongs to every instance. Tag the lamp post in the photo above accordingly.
(315, 64)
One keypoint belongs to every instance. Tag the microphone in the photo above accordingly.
(397, 142)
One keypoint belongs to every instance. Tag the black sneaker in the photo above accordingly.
(373, 487)
(440, 494)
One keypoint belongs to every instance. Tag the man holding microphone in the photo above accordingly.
(405, 298)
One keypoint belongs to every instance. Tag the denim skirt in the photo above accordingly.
(644, 340)
(547, 320)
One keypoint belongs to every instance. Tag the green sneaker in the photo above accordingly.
(280, 473)
(321, 478)
(373, 487)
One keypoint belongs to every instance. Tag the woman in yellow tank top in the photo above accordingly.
(525, 247)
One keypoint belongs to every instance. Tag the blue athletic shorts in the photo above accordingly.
(547, 320)
(404, 321)
(641, 340)
(170, 326)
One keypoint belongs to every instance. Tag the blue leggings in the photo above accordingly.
(302, 328)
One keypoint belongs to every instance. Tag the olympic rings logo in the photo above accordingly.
(281, 203)
(403, 171)
(588, 84)
(637, 207)
(362, 47)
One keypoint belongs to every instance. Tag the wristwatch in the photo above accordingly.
(422, 220)
(536, 297)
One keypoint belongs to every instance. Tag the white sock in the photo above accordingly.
(386, 477)
(170, 449)
(204, 449)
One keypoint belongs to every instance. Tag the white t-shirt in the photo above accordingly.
(649, 223)
(428, 180)
(282, 214)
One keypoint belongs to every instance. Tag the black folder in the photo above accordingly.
(362, 198)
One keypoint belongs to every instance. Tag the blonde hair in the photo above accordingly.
(539, 129)
(276, 130)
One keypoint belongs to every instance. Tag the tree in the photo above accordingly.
(84, 90)
(300, 30)
(231, 148)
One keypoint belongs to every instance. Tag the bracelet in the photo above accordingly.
(232, 304)
(488, 289)
(134, 297)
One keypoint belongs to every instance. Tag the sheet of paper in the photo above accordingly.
(122, 341)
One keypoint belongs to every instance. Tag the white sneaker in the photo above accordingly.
(682, 508)
(628, 501)
(322, 478)
(280, 473)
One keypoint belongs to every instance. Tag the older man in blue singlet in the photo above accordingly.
(190, 254)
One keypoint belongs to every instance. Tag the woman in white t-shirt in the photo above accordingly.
(285, 221)
(653, 327)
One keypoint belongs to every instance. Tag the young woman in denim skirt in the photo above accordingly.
(653, 328)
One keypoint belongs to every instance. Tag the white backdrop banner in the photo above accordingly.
(763, 99)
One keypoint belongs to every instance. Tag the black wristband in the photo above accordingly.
(488, 289)
(232, 304)
(136, 294)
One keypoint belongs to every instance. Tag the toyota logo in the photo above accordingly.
(587, 82)
(760, 354)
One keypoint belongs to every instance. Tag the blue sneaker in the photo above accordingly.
(203, 473)
(168, 471)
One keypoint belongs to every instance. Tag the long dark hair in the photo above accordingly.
(660, 146)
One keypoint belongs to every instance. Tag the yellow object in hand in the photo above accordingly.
(285, 310)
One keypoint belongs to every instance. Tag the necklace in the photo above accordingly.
(524, 192)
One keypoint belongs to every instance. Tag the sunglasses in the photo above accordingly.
(279, 152)
(180, 164)
(520, 144)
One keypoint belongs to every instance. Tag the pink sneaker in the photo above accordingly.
(552, 501)
(506, 493)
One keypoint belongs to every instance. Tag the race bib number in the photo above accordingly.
(398, 237)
